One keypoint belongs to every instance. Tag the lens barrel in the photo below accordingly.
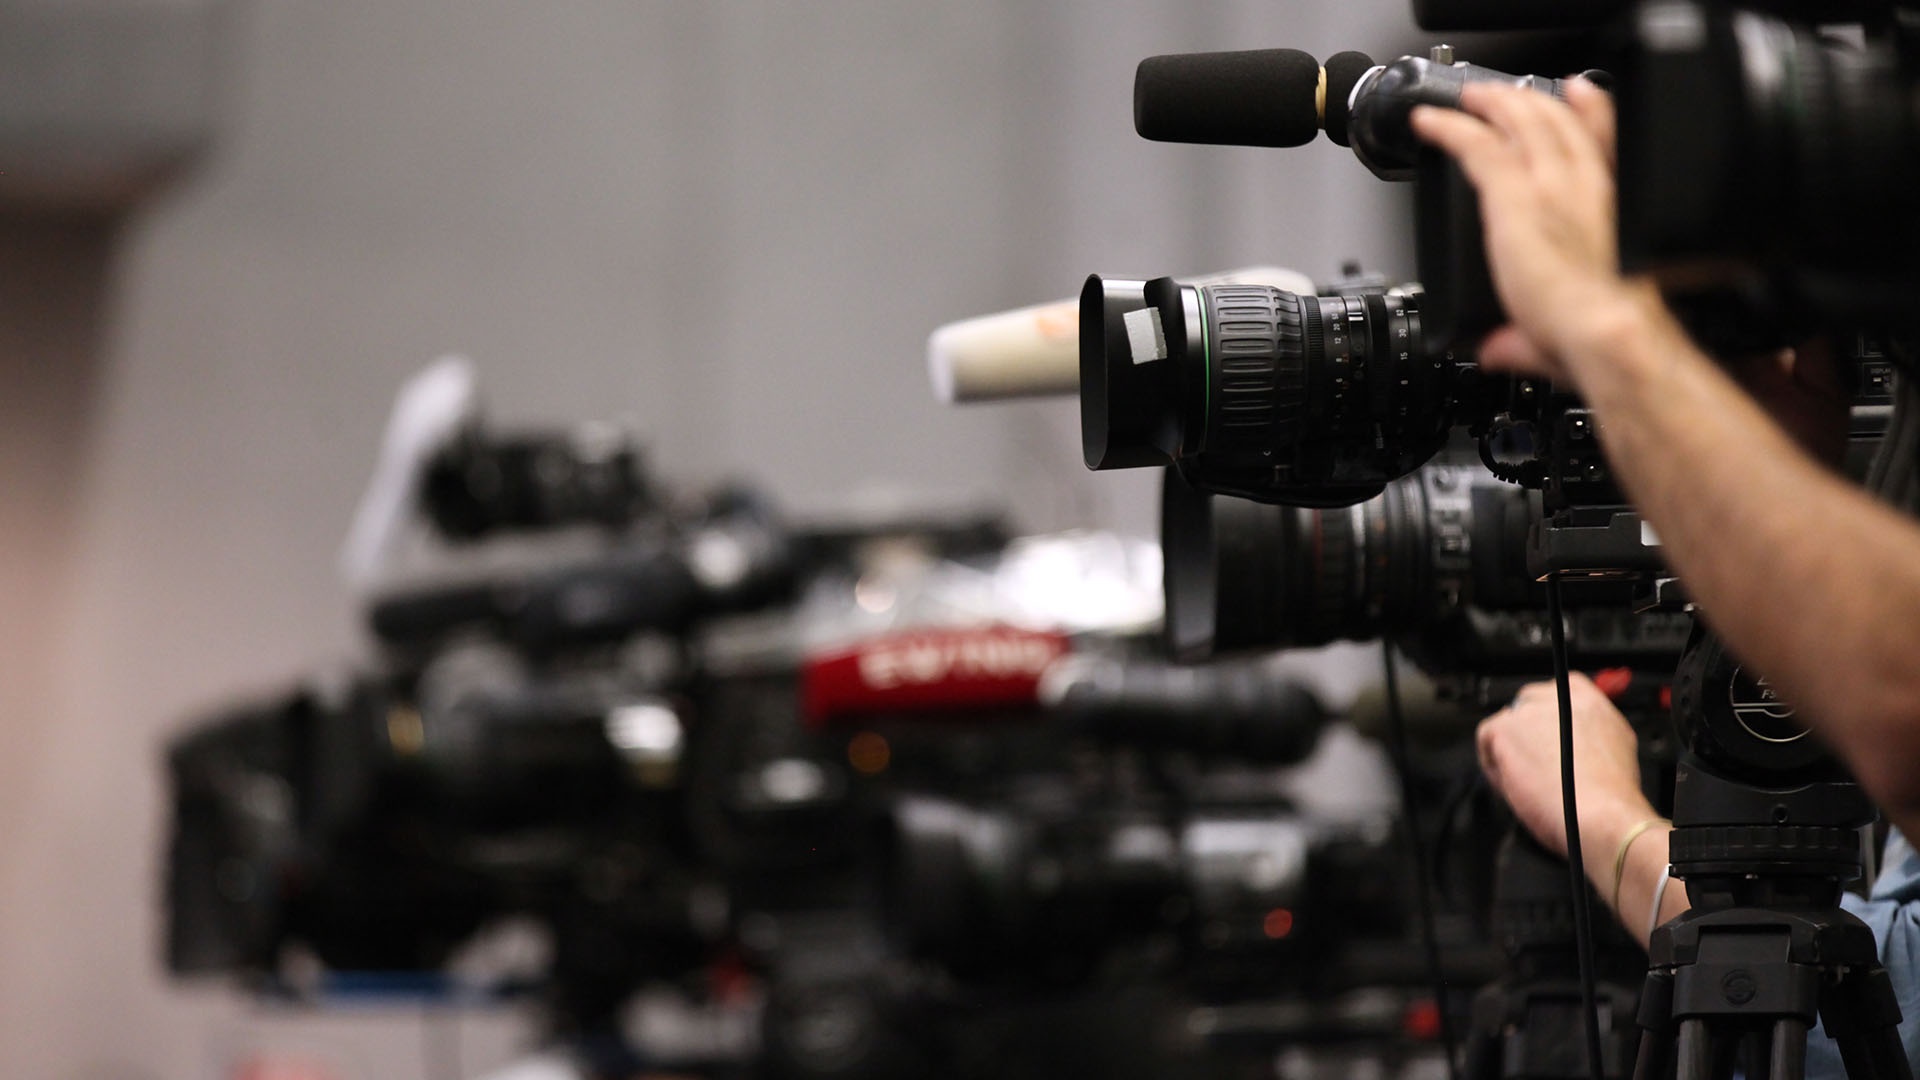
(1258, 392)
(1243, 575)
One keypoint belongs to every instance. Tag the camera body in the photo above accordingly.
(1813, 132)
(519, 751)
(379, 829)
(1056, 882)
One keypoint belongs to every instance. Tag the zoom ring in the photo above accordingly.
(1258, 345)
(1336, 569)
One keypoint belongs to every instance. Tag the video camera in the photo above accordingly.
(1437, 561)
(379, 827)
(684, 737)
(1810, 129)
(1052, 883)
(1319, 403)
(1796, 115)
(521, 747)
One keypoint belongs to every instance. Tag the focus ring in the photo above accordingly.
(1337, 579)
(1259, 367)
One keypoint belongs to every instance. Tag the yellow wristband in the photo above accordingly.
(1620, 854)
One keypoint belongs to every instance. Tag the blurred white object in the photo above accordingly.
(428, 413)
(1072, 583)
(1083, 582)
(1035, 351)
(546, 1066)
(1080, 581)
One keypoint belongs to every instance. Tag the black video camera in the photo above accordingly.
(1437, 562)
(1786, 176)
(379, 826)
(1283, 97)
(1052, 883)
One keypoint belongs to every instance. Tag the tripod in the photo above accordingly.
(1526, 1026)
(1736, 982)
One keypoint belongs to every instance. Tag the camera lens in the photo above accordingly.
(1243, 575)
(1252, 391)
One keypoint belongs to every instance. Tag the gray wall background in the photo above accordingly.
(733, 222)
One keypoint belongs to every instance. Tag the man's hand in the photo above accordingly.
(1520, 753)
(1544, 170)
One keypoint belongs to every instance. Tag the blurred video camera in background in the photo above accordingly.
(859, 792)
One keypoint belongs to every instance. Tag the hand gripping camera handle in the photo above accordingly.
(1383, 98)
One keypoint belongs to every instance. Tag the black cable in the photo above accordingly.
(1576, 869)
(1429, 939)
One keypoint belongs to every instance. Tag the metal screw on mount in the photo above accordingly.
(1441, 54)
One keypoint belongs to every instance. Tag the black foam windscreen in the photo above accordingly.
(1343, 70)
(1257, 97)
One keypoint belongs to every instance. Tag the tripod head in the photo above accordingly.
(1734, 721)
(1737, 845)
(1763, 815)
(1766, 833)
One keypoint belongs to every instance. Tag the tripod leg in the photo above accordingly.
(1756, 1058)
(1693, 1058)
(1649, 1059)
(1887, 1053)
(1788, 1060)
(1655, 1020)
(1733, 1053)
(1864, 1020)
(1856, 1056)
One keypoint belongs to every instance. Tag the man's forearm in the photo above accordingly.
(1805, 576)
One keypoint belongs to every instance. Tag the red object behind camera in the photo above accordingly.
(929, 671)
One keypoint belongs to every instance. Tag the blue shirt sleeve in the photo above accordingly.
(1892, 909)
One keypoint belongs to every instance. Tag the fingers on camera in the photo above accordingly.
(1528, 120)
(1595, 110)
(1509, 349)
(1478, 148)
(1483, 745)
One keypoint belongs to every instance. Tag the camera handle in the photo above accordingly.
(1765, 948)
